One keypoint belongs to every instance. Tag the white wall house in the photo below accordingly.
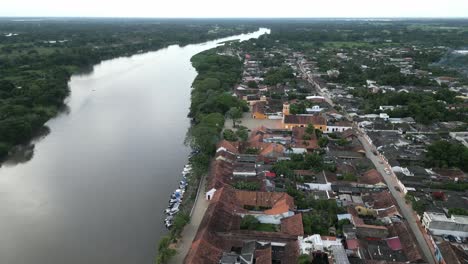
(439, 224)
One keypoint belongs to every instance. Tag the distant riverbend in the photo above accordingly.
(93, 190)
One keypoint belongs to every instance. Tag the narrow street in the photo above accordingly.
(405, 209)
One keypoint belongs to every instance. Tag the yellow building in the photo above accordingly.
(258, 110)
(291, 121)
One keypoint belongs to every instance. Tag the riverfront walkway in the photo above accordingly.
(190, 230)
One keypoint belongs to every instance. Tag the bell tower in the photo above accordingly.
(286, 109)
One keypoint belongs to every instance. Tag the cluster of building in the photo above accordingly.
(372, 228)
(401, 144)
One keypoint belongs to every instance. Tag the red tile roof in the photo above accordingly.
(292, 225)
(202, 252)
(305, 119)
(263, 256)
(219, 230)
(352, 244)
(263, 199)
(371, 177)
(452, 254)
(408, 241)
(273, 150)
(380, 200)
(229, 146)
(259, 107)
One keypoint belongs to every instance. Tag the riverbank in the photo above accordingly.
(211, 100)
(105, 171)
(42, 70)
(205, 132)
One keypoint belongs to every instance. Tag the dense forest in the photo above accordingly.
(37, 58)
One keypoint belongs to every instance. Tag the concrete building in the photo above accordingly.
(439, 224)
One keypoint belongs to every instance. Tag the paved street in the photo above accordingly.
(190, 230)
(405, 209)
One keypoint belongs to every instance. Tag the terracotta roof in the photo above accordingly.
(452, 254)
(299, 132)
(408, 242)
(220, 174)
(391, 211)
(352, 243)
(219, 230)
(343, 123)
(305, 119)
(263, 199)
(202, 252)
(371, 177)
(372, 226)
(273, 150)
(263, 256)
(229, 146)
(380, 200)
(259, 107)
(348, 133)
(292, 225)
(354, 215)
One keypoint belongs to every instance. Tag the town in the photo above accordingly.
(331, 166)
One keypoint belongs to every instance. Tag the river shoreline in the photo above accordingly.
(183, 236)
(107, 167)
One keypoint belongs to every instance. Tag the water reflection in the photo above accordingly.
(93, 188)
(25, 152)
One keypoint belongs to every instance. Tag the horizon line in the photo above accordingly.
(263, 18)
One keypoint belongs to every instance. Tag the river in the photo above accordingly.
(96, 186)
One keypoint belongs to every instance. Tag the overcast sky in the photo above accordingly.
(236, 8)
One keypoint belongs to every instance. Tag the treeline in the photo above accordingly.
(435, 32)
(37, 62)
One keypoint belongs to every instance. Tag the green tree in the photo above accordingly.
(304, 259)
(242, 133)
(323, 142)
(252, 84)
(234, 113)
(249, 222)
(229, 135)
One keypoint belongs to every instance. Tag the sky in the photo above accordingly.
(235, 8)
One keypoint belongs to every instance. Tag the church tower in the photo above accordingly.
(285, 109)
